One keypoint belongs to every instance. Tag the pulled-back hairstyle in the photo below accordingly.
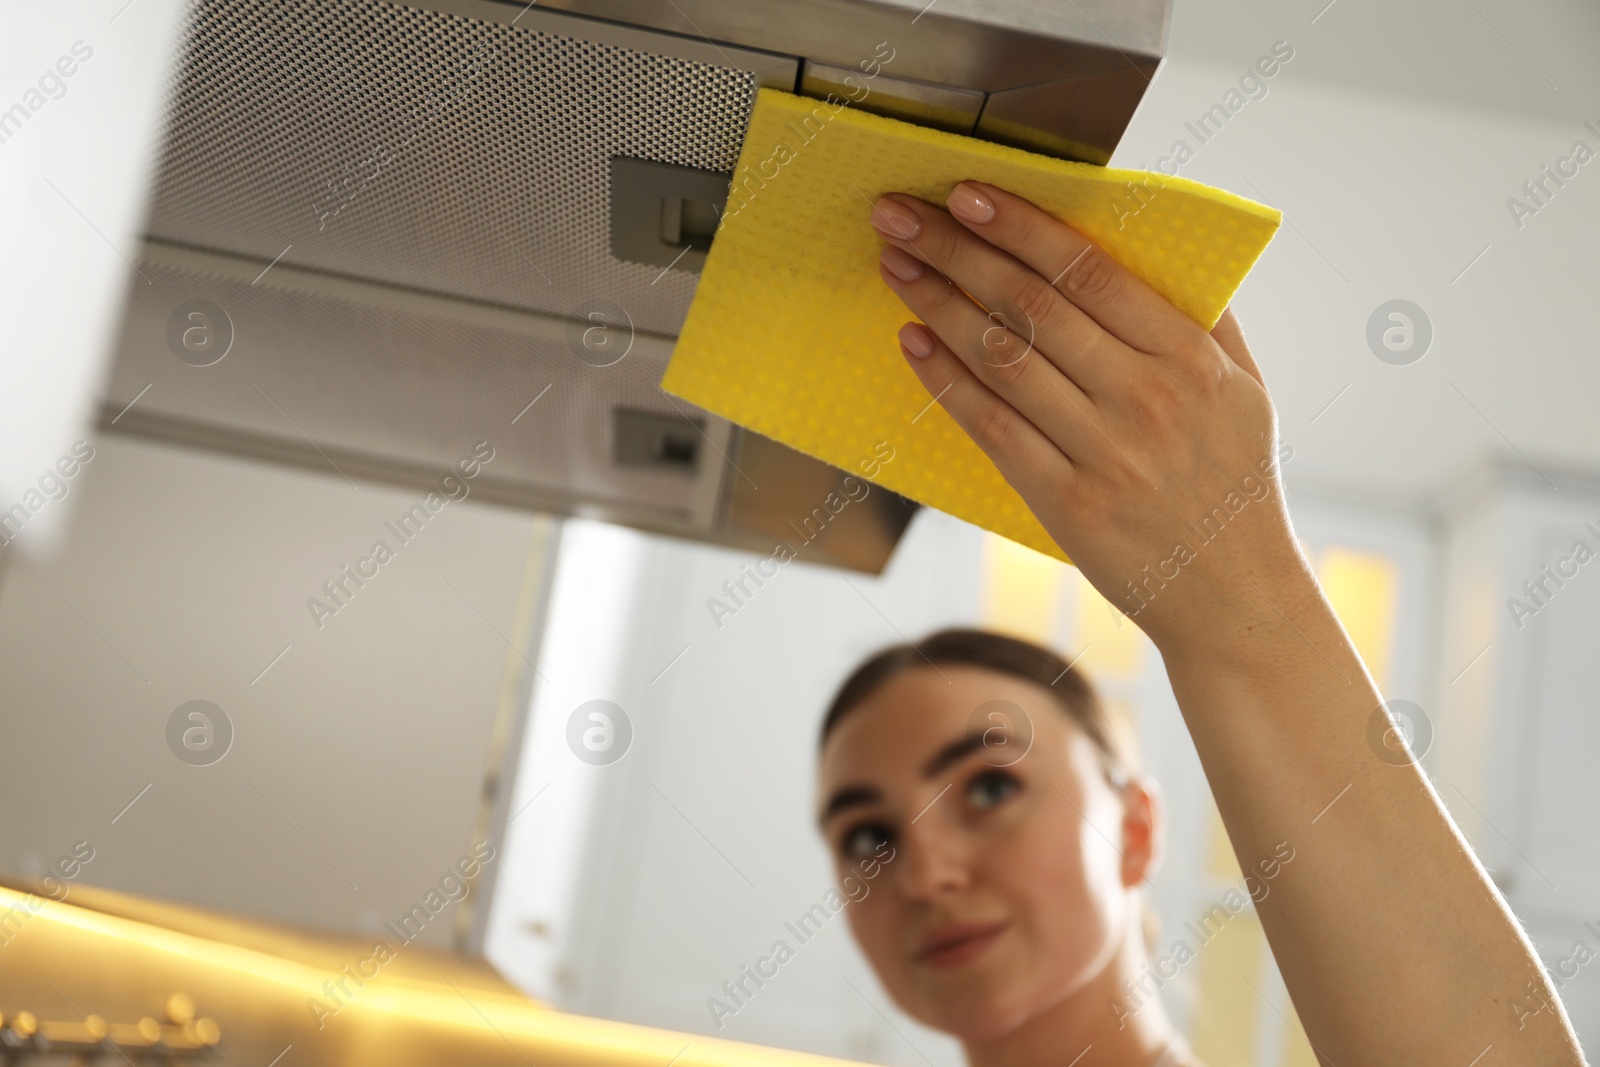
(1012, 656)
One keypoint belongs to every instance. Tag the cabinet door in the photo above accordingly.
(1558, 830)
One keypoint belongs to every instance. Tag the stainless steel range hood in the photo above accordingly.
(383, 232)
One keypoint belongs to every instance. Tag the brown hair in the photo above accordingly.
(1012, 656)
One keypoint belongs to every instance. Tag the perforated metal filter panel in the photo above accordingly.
(430, 150)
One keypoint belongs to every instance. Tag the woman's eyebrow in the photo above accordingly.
(851, 796)
(954, 752)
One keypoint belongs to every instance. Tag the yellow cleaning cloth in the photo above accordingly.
(792, 333)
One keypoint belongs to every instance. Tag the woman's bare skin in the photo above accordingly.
(1121, 426)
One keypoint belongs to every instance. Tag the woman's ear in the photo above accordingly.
(1143, 830)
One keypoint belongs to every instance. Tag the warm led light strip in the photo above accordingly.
(552, 1031)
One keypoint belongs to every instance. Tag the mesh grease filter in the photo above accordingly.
(429, 150)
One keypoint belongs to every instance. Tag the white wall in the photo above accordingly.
(358, 759)
(1392, 197)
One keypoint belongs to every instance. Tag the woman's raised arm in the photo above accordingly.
(1147, 448)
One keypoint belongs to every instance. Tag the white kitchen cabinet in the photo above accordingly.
(1519, 680)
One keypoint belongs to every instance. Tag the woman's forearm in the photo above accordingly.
(1125, 427)
(1391, 939)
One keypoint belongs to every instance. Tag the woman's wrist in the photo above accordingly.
(1249, 623)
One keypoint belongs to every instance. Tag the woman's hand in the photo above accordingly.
(1145, 445)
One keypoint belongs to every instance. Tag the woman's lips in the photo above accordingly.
(958, 943)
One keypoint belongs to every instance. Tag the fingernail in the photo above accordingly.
(901, 264)
(965, 202)
(914, 338)
(895, 220)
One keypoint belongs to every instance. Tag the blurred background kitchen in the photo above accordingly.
(285, 281)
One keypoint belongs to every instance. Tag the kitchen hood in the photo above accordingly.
(381, 233)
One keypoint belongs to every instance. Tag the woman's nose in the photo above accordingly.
(935, 857)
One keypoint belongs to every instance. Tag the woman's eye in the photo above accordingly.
(862, 841)
(991, 788)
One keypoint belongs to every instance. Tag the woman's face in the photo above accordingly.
(1008, 886)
